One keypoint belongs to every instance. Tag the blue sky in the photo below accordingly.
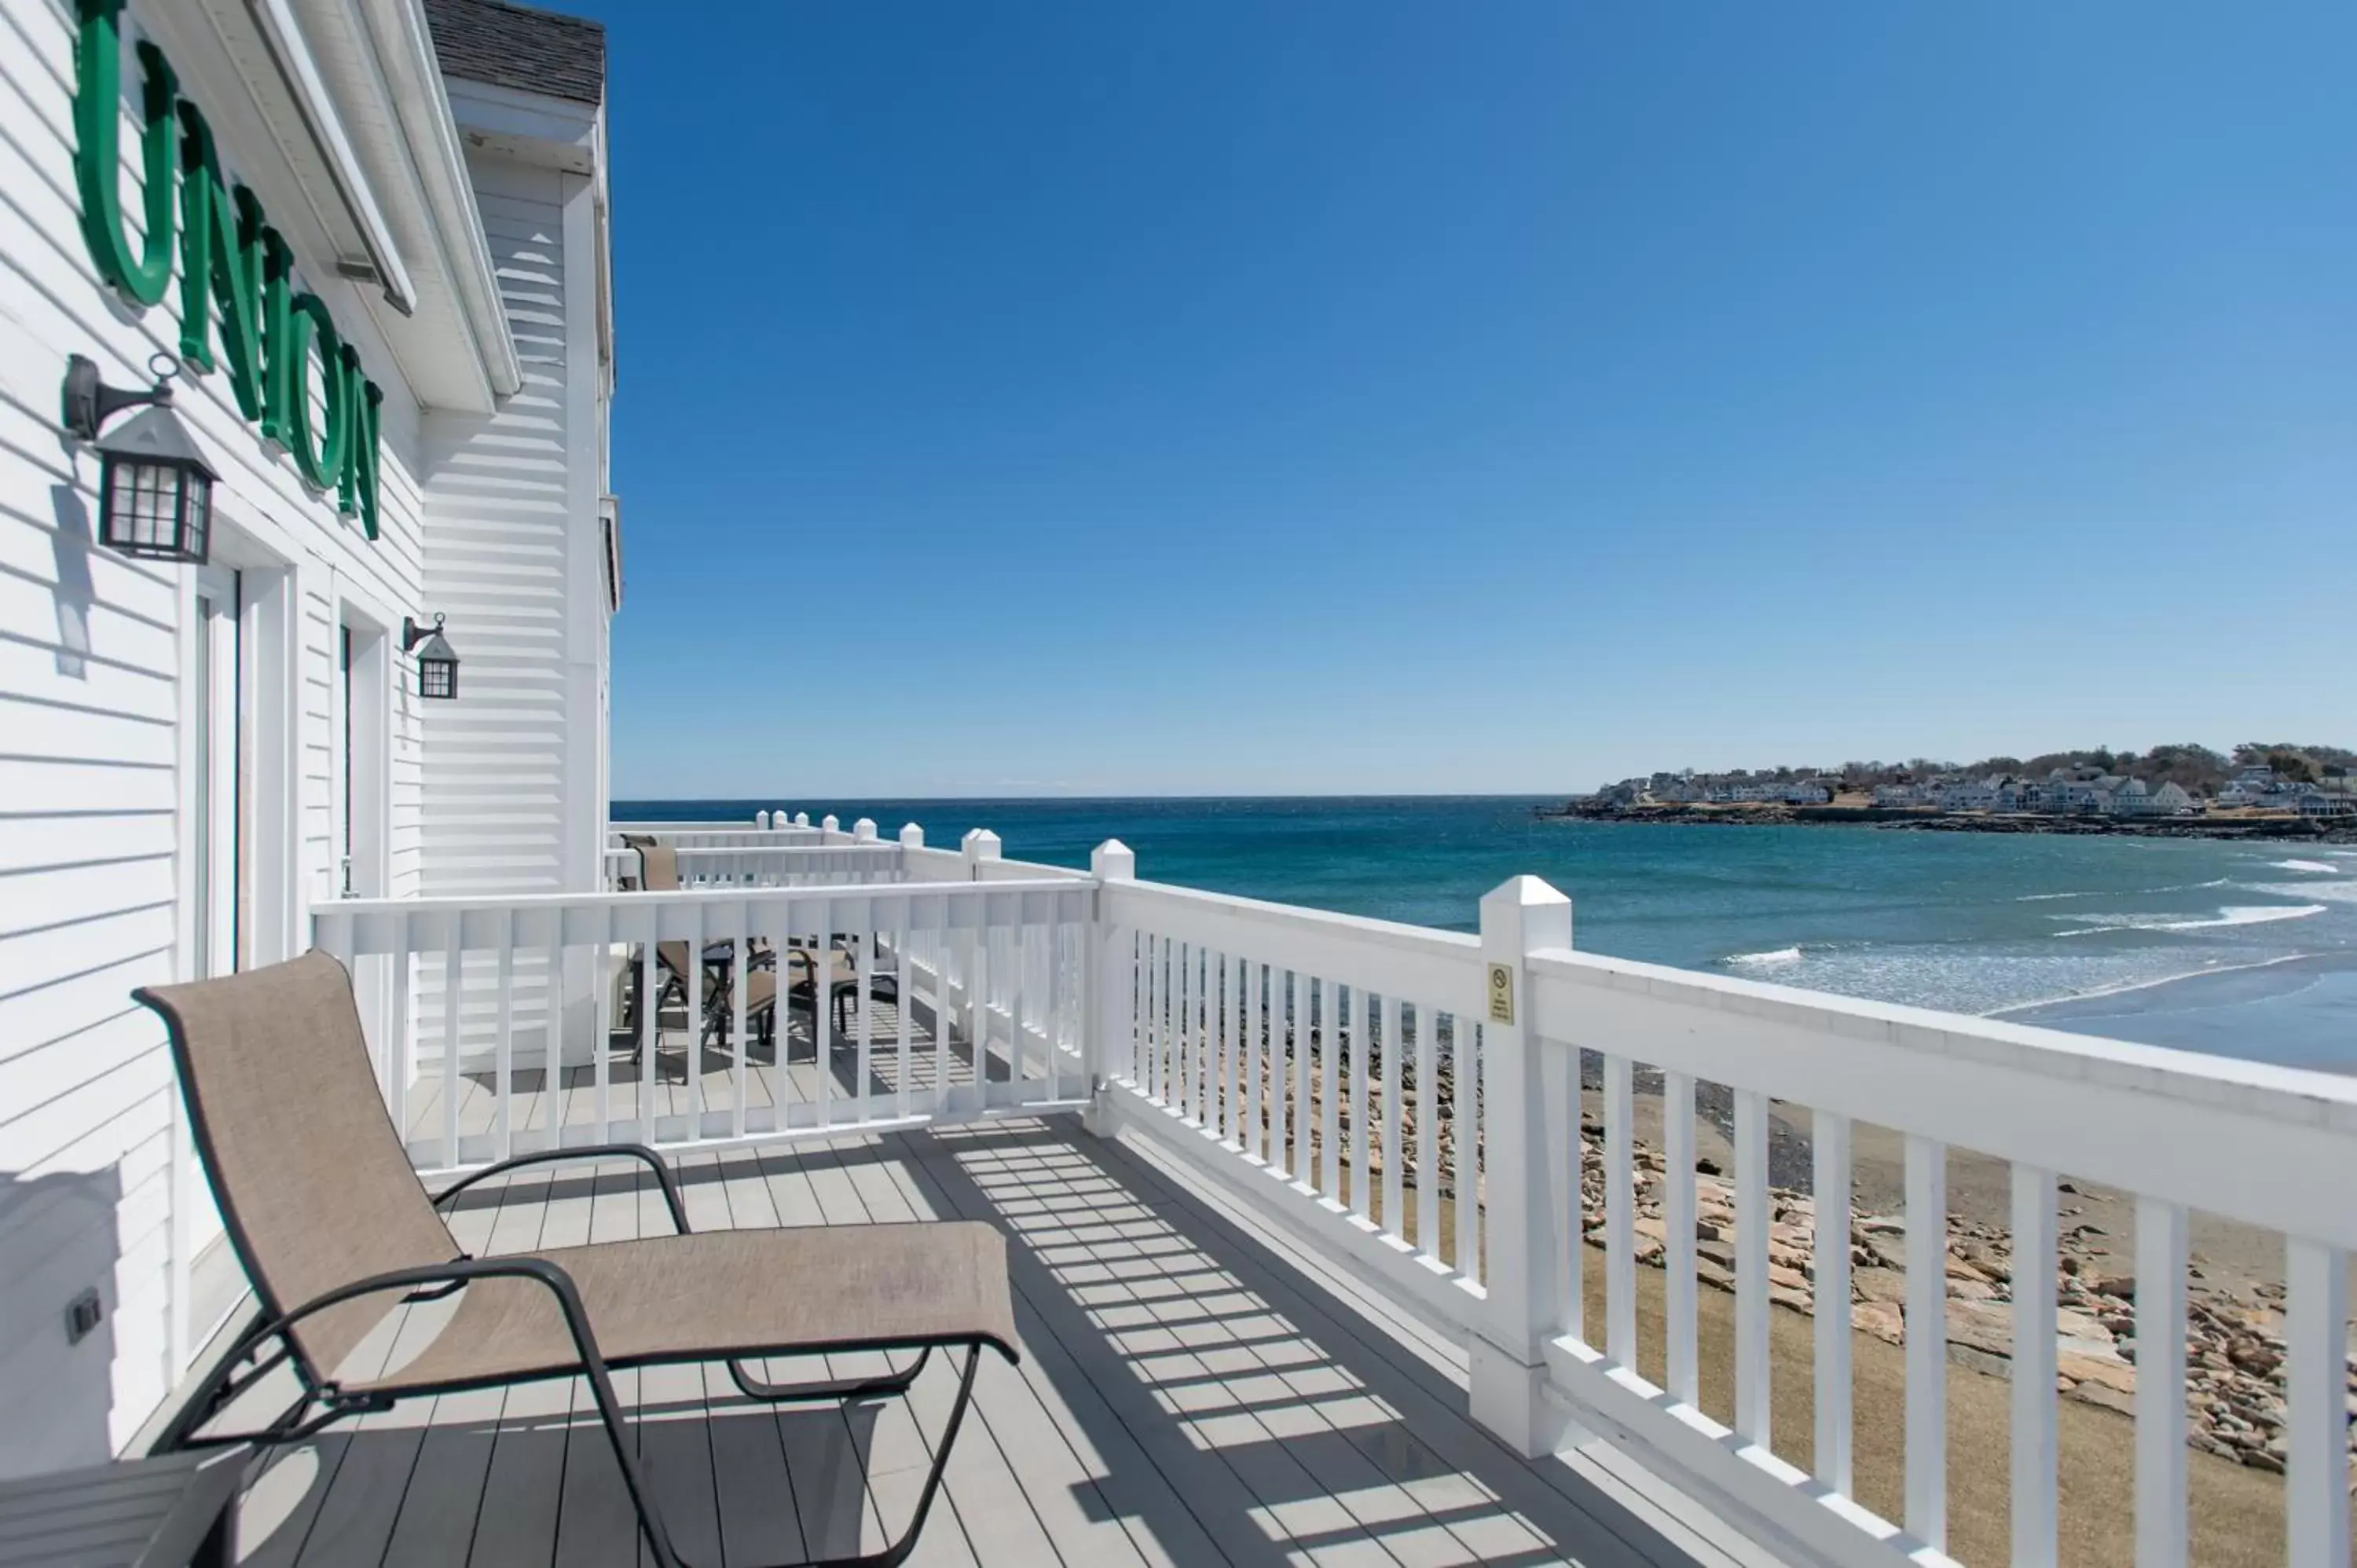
(1334, 396)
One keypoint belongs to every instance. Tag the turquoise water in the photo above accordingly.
(2246, 950)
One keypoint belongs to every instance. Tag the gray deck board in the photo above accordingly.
(1185, 1397)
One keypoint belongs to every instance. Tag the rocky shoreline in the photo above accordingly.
(2307, 830)
(2234, 1349)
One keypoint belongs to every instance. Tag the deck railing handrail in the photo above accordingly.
(643, 902)
(772, 864)
(2234, 1138)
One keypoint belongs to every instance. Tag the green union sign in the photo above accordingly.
(234, 268)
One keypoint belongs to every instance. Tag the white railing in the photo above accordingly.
(1406, 1105)
(1224, 1022)
(798, 865)
(859, 857)
(2268, 1148)
(1331, 1066)
(957, 999)
(716, 835)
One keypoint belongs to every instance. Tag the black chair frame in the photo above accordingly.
(246, 1364)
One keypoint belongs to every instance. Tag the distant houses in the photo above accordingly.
(2063, 791)
(2258, 787)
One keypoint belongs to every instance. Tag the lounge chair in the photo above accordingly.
(334, 1231)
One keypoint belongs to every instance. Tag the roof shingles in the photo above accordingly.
(518, 46)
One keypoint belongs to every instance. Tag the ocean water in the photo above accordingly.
(2245, 949)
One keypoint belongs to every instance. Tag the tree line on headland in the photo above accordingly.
(2196, 768)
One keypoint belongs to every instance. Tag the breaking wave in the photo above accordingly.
(1761, 960)
(2141, 892)
(2232, 914)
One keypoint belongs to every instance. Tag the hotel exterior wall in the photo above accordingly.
(514, 773)
(95, 707)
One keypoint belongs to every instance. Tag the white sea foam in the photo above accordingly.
(2212, 968)
(2232, 914)
(2326, 867)
(1780, 955)
(2343, 891)
(2109, 893)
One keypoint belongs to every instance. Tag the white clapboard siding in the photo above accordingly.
(506, 809)
(90, 698)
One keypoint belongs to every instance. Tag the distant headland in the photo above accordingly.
(2257, 790)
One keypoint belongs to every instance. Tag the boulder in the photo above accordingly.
(2117, 1376)
(1983, 1325)
(1879, 1284)
(1881, 1319)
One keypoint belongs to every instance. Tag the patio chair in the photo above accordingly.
(659, 873)
(802, 990)
(335, 1231)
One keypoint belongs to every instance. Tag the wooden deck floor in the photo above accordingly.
(1185, 1397)
(638, 1084)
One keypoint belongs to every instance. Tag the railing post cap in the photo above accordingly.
(912, 836)
(863, 830)
(980, 844)
(802, 819)
(1524, 914)
(762, 820)
(1114, 859)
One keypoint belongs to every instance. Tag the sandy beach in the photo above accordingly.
(2298, 1012)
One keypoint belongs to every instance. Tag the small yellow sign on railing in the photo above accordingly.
(1502, 993)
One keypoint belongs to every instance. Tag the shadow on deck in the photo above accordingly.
(1184, 1398)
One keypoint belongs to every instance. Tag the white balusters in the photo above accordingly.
(864, 977)
(1357, 1125)
(1261, 1064)
(1018, 973)
(691, 1056)
(453, 986)
(1329, 1103)
(1751, 1219)
(1244, 1135)
(942, 1011)
(650, 1040)
(1927, 1341)
(1394, 1061)
(552, 1046)
(1465, 1067)
(1678, 1236)
(2315, 1422)
(904, 1002)
(2035, 1443)
(601, 1049)
(822, 962)
(400, 1044)
(503, 1039)
(740, 1037)
(1829, 1181)
(1621, 1214)
(1427, 1129)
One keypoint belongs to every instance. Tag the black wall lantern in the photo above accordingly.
(155, 488)
(438, 665)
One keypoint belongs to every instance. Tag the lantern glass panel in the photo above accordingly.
(156, 510)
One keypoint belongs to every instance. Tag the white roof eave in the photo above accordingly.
(410, 80)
